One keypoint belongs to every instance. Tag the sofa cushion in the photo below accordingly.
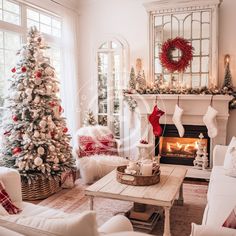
(74, 225)
(228, 155)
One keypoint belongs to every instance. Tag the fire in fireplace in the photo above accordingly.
(176, 150)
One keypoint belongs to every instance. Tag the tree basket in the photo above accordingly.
(136, 180)
(39, 188)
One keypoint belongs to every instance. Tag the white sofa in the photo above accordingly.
(221, 199)
(26, 223)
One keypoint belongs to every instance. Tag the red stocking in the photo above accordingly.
(154, 120)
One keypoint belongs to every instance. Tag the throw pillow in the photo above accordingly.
(103, 145)
(83, 224)
(231, 220)
(228, 157)
(6, 201)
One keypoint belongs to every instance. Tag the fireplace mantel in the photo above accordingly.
(194, 106)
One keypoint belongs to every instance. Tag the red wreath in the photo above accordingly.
(166, 56)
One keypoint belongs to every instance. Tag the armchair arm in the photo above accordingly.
(12, 182)
(219, 155)
(116, 224)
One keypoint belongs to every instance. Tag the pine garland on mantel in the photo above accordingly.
(185, 91)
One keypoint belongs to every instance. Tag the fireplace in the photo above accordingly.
(176, 150)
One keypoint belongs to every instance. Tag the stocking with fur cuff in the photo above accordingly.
(209, 120)
(154, 120)
(177, 120)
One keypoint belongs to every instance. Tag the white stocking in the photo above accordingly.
(177, 120)
(209, 120)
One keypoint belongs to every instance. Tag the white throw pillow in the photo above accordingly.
(75, 225)
(96, 166)
(228, 155)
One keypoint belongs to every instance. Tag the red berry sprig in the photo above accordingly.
(16, 150)
(13, 70)
(15, 118)
(38, 74)
(143, 141)
(65, 130)
(23, 69)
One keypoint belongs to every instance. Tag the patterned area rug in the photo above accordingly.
(73, 201)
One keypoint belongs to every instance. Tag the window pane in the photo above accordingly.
(11, 18)
(45, 19)
(56, 24)
(32, 23)
(12, 7)
(1, 39)
(45, 29)
(56, 32)
(32, 15)
(12, 41)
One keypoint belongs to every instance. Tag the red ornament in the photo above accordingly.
(65, 130)
(60, 109)
(52, 104)
(23, 69)
(166, 56)
(13, 70)
(7, 133)
(15, 118)
(52, 134)
(16, 150)
(38, 74)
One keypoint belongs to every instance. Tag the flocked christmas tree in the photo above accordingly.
(35, 137)
(89, 119)
(228, 77)
(132, 80)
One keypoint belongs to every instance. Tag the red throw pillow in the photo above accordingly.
(6, 201)
(231, 220)
(102, 145)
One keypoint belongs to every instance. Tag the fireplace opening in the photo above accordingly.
(176, 150)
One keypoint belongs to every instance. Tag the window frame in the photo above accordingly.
(22, 29)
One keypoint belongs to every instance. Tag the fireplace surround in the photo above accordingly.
(181, 151)
(194, 107)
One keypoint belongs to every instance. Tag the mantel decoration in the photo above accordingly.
(166, 56)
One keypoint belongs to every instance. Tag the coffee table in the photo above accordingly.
(162, 194)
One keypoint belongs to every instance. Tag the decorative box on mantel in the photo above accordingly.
(194, 106)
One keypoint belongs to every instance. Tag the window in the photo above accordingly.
(15, 18)
(110, 67)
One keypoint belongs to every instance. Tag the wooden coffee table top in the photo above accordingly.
(162, 194)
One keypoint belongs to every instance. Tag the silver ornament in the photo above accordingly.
(49, 71)
(37, 99)
(42, 123)
(36, 134)
(38, 81)
(20, 87)
(40, 150)
(38, 161)
(56, 160)
(52, 148)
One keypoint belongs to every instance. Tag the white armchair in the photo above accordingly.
(30, 220)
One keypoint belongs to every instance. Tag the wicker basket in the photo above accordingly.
(39, 188)
(136, 180)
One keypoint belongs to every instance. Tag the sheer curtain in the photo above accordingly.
(69, 76)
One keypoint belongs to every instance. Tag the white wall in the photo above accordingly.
(128, 19)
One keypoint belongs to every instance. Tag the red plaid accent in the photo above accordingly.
(6, 201)
(231, 220)
(103, 145)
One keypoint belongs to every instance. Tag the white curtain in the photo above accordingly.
(69, 80)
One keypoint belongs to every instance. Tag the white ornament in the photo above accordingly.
(37, 99)
(21, 165)
(29, 98)
(43, 135)
(40, 150)
(56, 160)
(42, 123)
(52, 148)
(36, 134)
(28, 91)
(20, 86)
(38, 81)
(38, 161)
(48, 136)
(49, 71)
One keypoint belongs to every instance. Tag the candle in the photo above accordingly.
(146, 169)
